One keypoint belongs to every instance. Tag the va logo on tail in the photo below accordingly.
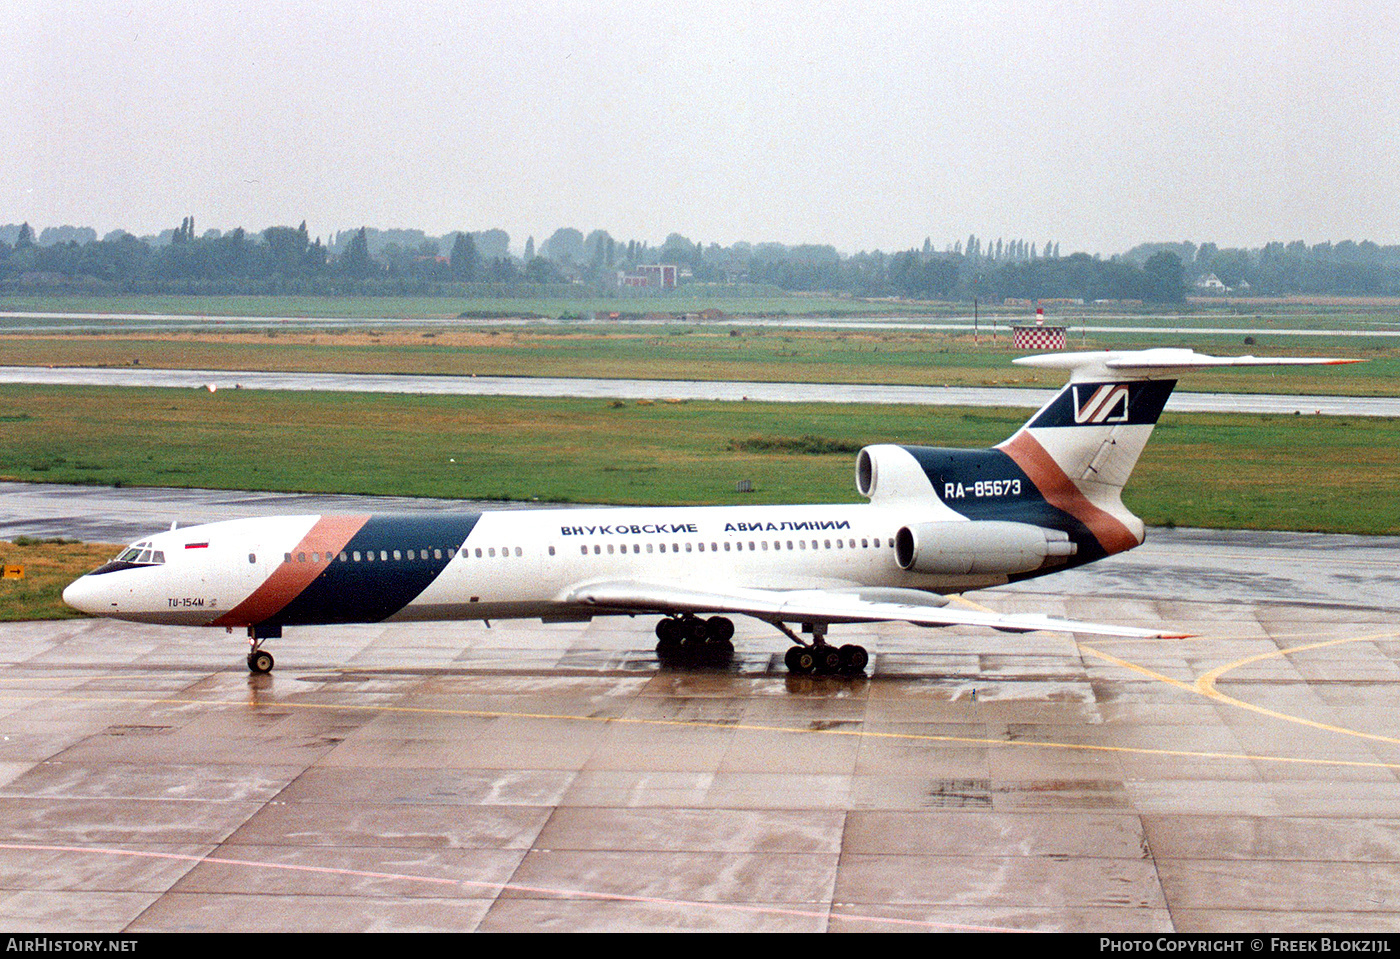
(1134, 402)
(1105, 404)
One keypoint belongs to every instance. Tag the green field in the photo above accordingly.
(49, 566)
(758, 301)
(678, 351)
(1245, 471)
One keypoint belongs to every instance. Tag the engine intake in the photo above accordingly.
(978, 547)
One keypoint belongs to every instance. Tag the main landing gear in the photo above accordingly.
(689, 641)
(259, 659)
(821, 658)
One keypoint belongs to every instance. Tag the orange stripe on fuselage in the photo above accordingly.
(327, 537)
(1059, 491)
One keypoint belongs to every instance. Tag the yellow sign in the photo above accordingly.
(14, 572)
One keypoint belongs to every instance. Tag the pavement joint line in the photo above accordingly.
(502, 887)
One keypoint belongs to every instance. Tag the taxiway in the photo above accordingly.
(523, 776)
(714, 390)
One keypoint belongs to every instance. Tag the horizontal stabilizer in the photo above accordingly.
(1158, 362)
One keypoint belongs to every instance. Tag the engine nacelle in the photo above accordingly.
(890, 475)
(978, 547)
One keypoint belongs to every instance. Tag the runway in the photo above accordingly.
(1180, 401)
(455, 777)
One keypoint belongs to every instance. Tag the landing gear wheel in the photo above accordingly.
(260, 661)
(688, 641)
(854, 659)
(719, 629)
(828, 659)
(800, 660)
(668, 635)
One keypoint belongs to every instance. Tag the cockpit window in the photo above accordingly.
(140, 554)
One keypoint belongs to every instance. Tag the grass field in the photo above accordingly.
(690, 299)
(1332, 474)
(676, 352)
(49, 566)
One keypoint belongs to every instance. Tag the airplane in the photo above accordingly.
(938, 522)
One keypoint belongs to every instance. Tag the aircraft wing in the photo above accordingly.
(828, 606)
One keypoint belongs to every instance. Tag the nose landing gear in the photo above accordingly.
(260, 660)
(689, 641)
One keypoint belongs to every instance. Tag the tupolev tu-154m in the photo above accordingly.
(938, 522)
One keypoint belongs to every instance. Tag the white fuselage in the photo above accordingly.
(512, 563)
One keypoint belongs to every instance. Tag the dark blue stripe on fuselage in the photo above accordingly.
(372, 590)
(987, 484)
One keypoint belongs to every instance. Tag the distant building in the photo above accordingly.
(659, 276)
(1210, 283)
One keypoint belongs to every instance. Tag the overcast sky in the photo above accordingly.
(864, 125)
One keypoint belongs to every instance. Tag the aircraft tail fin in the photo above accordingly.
(1080, 448)
(1065, 469)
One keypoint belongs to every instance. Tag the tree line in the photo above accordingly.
(367, 261)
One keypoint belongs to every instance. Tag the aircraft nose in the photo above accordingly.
(82, 595)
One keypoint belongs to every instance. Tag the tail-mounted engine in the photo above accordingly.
(979, 547)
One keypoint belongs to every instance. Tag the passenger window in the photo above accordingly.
(518, 552)
(583, 550)
(301, 557)
(437, 554)
(551, 551)
(286, 557)
(384, 556)
(342, 556)
(727, 546)
(702, 547)
(689, 547)
(252, 558)
(355, 556)
(610, 549)
(491, 552)
(661, 548)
